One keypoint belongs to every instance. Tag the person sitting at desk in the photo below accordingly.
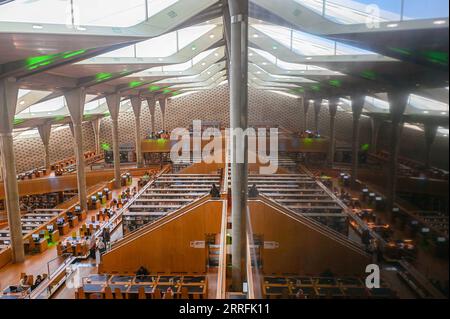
(214, 191)
(23, 283)
(38, 281)
(101, 245)
(142, 271)
(253, 192)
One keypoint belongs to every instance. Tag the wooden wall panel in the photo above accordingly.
(167, 248)
(301, 249)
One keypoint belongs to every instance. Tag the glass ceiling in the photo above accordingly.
(164, 45)
(306, 44)
(85, 12)
(373, 11)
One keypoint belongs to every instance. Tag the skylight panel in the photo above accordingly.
(417, 102)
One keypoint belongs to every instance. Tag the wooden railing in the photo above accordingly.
(145, 229)
(317, 226)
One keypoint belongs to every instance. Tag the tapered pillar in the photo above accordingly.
(162, 106)
(151, 102)
(430, 136)
(113, 102)
(317, 108)
(357, 107)
(44, 132)
(75, 103)
(136, 103)
(239, 147)
(375, 125)
(306, 103)
(96, 128)
(397, 105)
(332, 108)
(8, 101)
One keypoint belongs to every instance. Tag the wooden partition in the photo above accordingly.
(51, 184)
(285, 144)
(175, 246)
(293, 246)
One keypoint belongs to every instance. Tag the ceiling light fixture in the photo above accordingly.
(37, 26)
(438, 22)
(392, 25)
(256, 35)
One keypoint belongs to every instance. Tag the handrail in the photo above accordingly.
(145, 229)
(119, 213)
(250, 282)
(317, 226)
(222, 272)
(346, 210)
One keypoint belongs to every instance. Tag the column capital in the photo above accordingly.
(8, 102)
(75, 99)
(44, 132)
(398, 101)
(113, 102)
(136, 103)
(357, 105)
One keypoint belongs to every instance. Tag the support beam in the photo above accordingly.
(75, 103)
(397, 104)
(136, 103)
(375, 124)
(357, 107)
(430, 136)
(113, 102)
(305, 113)
(317, 108)
(8, 101)
(44, 132)
(239, 148)
(162, 106)
(96, 124)
(151, 102)
(332, 108)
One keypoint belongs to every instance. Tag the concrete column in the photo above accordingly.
(151, 102)
(430, 136)
(357, 106)
(136, 103)
(397, 104)
(75, 103)
(113, 102)
(305, 113)
(317, 107)
(8, 101)
(239, 119)
(162, 106)
(375, 124)
(44, 132)
(332, 108)
(96, 127)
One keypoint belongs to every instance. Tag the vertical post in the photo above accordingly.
(45, 131)
(397, 105)
(113, 102)
(239, 120)
(162, 106)
(317, 107)
(305, 112)
(136, 103)
(375, 124)
(96, 127)
(357, 107)
(430, 136)
(332, 108)
(75, 103)
(151, 102)
(8, 101)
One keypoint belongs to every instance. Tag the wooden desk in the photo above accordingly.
(64, 229)
(42, 245)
